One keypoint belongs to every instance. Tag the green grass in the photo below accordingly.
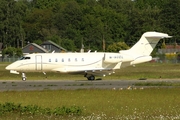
(106, 104)
(152, 103)
(146, 70)
(149, 71)
(157, 84)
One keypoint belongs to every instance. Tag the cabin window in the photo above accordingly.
(76, 59)
(56, 60)
(69, 59)
(62, 60)
(120, 57)
(82, 59)
(49, 60)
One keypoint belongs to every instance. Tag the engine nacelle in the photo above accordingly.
(141, 60)
(112, 57)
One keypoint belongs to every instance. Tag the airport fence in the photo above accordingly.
(12, 59)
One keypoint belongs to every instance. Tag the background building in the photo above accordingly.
(51, 46)
(46, 47)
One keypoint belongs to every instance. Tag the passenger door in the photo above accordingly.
(38, 62)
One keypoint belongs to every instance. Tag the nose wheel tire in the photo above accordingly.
(23, 78)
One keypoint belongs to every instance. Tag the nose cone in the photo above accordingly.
(8, 67)
(12, 68)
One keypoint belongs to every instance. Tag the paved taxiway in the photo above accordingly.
(18, 85)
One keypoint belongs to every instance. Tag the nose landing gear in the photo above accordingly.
(24, 77)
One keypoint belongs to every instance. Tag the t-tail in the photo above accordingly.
(142, 49)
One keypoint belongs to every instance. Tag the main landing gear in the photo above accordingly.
(89, 77)
(24, 77)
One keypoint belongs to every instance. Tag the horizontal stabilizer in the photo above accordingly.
(156, 35)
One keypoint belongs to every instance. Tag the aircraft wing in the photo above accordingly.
(94, 71)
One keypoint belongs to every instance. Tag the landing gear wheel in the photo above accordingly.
(23, 78)
(91, 77)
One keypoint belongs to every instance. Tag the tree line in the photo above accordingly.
(96, 24)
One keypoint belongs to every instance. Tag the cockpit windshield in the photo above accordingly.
(25, 58)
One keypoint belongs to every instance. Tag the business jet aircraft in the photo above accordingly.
(90, 64)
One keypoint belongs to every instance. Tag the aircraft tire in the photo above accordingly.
(23, 78)
(91, 77)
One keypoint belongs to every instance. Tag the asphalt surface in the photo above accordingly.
(18, 85)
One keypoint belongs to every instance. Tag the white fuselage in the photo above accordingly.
(69, 62)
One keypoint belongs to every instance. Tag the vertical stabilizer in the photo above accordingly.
(146, 44)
